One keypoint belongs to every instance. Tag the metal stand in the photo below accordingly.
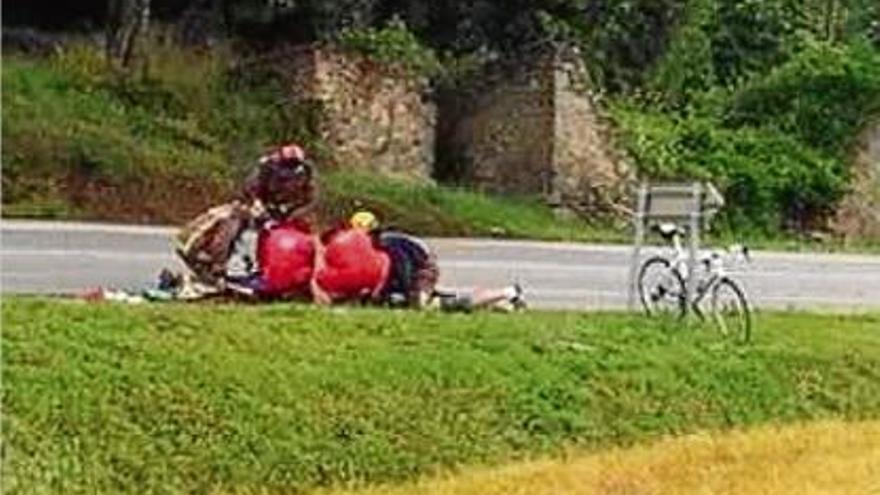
(683, 204)
(639, 231)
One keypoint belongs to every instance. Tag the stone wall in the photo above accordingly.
(534, 131)
(588, 172)
(859, 215)
(371, 117)
(506, 139)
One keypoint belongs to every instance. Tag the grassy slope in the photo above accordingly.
(170, 398)
(824, 457)
(63, 116)
(442, 211)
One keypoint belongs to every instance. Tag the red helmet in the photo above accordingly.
(286, 179)
(287, 162)
(286, 153)
(292, 152)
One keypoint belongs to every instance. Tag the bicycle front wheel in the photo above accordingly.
(730, 310)
(661, 288)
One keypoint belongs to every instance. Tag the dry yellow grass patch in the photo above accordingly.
(814, 458)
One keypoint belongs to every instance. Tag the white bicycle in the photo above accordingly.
(662, 287)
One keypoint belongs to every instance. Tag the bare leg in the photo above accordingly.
(505, 299)
(491, 297)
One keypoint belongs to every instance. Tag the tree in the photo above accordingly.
(127, 21)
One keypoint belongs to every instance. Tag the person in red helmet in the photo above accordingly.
(214, 246)
(283, 182)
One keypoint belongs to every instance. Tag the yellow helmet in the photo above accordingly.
(364, 220)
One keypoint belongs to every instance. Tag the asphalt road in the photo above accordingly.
(53, 257)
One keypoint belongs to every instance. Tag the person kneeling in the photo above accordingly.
(217, 247)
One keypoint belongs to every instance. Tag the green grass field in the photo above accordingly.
(192, 399)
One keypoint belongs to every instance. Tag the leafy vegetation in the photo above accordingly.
(764, 98)
(822, 97)
(768, 178)
(778, 145)
(393, 44)
(174, 398)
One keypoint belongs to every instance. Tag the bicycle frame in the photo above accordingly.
(713, 271)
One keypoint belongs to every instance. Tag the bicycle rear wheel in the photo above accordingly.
(661, 288)
(730, 310)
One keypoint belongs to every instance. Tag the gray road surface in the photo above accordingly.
(51, 257)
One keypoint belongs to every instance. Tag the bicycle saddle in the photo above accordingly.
(668, 230)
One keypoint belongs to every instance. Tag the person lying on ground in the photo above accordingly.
(403, 272)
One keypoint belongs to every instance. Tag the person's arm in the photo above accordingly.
(306, 208)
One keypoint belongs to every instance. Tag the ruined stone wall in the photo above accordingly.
(536, 131)
(527, 129)
(371, 117)
(859, 215)
(505, 136)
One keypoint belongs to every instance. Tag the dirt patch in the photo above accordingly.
(83, 194)
(154, 199)
(158, 199)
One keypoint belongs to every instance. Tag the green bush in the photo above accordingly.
(749, 37)
(392, 44)
(777, 144)
(770, 179)
(823, 97)
(726, 42)
(687, 68)
(623, 40)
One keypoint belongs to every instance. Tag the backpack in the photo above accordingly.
(354, 267)
(286, 258)
(205, 243)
